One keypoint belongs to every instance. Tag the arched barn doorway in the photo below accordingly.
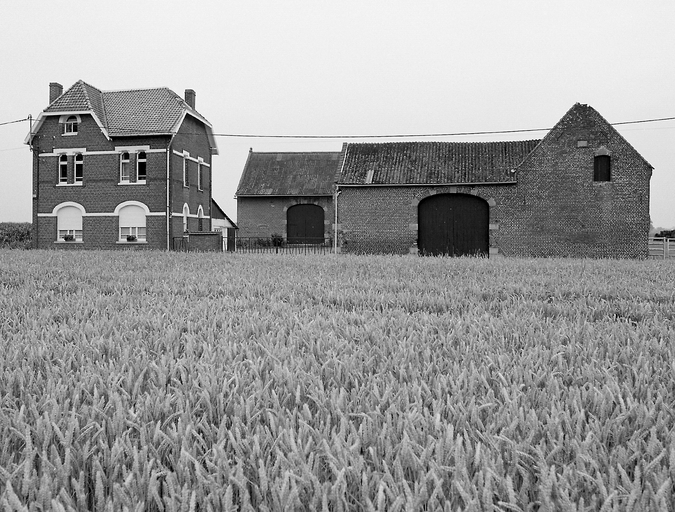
(453, 225)
(304, 223)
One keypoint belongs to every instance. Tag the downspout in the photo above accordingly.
(168, 202)
(335, 225)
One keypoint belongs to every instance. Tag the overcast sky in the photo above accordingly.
(349, 68)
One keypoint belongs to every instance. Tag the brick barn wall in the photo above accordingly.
(263, 216)
(561, 211)
(384, 220)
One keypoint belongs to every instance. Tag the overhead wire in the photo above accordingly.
(389, 136)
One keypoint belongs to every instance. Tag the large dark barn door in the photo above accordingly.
(305, 224)
(453, 225)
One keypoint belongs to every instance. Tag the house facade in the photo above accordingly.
(288, 194)
(119, 169)
(581, 191)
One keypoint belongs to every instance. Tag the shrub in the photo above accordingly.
(15, 235)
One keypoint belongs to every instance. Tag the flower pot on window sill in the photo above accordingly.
(131, 238)
(68, 238)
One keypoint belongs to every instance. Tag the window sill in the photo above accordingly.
(79, 184)
(68, 242)
(68, 134)
(138, 242)
(132, 183)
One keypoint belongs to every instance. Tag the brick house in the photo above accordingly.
(119, 169)
(581, 191)
(287, 194)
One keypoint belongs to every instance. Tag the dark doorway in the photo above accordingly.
(453, 225)
(305, 224)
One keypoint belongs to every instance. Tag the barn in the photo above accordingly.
(580, 191)
(287, 194)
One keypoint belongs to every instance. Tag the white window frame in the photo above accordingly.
(124, 166)
(141, 160)
(186, 169)
(71, 125)
(62, 233)
(140, 232)
(63, 165)
(79, 168)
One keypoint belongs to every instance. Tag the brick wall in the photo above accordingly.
(264, 216)
(100, 191)
(556, 208)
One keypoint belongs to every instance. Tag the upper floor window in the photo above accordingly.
(79, 168)
(141, 166)
(124, 168)
(63, 169)
(199, 175)
(186, 170)
(602, 165)
(70, 125)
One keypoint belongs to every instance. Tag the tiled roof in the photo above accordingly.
(131, 112)
(407, 163)
(282, 174)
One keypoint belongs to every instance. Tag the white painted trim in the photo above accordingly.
(143, 182)
(190, 215)
(68, 203)
(65, 117)
(76, 184)
(67, 151)
(131, 149)
(149, 214)
(131, 203)
(41, 117)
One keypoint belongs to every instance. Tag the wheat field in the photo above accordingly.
(173, 381)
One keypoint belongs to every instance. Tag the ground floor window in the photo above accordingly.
(132, 224)
(69, 224)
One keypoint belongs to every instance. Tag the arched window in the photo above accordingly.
(186, 213)
(79, 168)
(200, 215)
(132, 224)
(63, 169)
(141, 166)
(69, 223)
(124, 168)
(602, 165)
(70, 126)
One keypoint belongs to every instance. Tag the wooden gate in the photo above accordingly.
(304, 224)
(453, 225)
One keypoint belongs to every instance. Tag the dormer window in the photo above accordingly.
(602, 165)
(70, 125)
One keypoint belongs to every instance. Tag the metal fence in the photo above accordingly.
(661, 248)
(278, 245)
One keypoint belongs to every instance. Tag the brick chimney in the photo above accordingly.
(55, 90)
(190, 97)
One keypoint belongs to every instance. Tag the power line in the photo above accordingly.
(17, 121)
(390, 136)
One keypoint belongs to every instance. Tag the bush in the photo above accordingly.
(666, 233)
(15, 235)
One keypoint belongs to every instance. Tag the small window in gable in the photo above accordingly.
(79, 168)
(63, 169)
(124, 168)
(70, 125)
(141, 166)
(602, 165)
